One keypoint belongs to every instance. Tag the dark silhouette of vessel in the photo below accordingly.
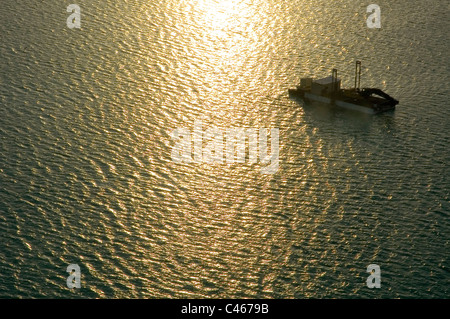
(328, 90)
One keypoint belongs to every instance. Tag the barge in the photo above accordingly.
(328, 91)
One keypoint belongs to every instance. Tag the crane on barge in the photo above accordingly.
(328, 90)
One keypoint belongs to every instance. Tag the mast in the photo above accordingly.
(334, 79)
(357, 75)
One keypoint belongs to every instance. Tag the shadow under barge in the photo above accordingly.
(328, 91)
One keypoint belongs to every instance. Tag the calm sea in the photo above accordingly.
(87, 177)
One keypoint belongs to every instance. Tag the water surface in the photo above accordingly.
(86, 174)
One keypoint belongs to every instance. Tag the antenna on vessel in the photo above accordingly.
(334, 80)
(357, 75)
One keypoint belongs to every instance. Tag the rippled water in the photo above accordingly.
(86, 174)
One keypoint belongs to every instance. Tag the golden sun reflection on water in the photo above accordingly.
(219, 62)
(223, 46)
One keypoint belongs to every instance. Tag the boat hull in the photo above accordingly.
(365, 106)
